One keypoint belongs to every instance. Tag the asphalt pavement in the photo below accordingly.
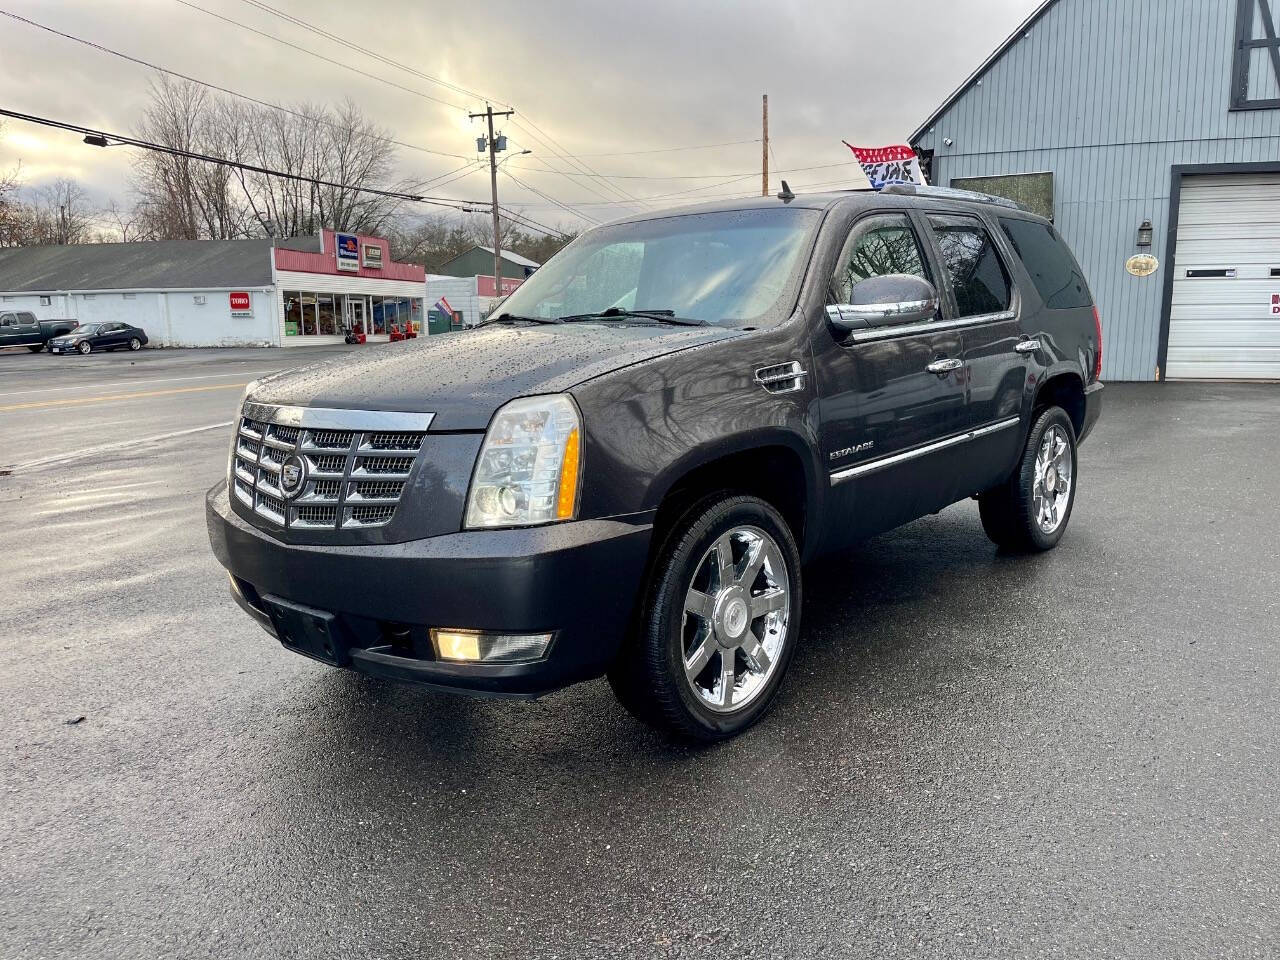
(1073, 755)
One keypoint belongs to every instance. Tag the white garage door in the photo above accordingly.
(1225, 318)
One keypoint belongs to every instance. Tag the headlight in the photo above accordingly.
(529, 465)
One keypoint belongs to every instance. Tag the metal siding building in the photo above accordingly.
(1124, 101)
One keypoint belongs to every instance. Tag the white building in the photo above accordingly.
(215, 293)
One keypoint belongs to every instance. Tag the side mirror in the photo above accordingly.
(890, 300)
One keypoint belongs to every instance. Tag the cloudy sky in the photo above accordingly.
(593, 84)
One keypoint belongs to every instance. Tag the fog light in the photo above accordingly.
(474, 646)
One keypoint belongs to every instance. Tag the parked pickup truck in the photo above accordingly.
(19, 328)
(625, 470)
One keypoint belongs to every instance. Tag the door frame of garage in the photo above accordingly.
(1177, 172)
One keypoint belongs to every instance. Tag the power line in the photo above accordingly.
(738, 178)
(353, 46)
(699, 146)
(320, 56)
(223, 162)
(553, 200)
(701, 176)
(549, 142)
(560, 152)
(525, 221)
(212, 86)
(298, 21)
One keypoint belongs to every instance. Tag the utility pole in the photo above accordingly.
(764, 150)
(493, 182)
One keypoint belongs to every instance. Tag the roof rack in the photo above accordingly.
(949, 193)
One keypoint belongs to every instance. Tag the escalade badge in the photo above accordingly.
(293, 473)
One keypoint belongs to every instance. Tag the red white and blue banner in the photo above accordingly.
(443, 306)
(886, 165)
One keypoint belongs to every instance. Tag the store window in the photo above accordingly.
(292, 313)
(327, 319)
(378, 318)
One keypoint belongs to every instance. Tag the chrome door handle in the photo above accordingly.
(944, 366)
(1028, 346)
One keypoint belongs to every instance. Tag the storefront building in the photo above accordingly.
(222, 293)
(349, 284)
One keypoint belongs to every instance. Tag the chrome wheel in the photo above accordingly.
(736, 613)
(1051, 491)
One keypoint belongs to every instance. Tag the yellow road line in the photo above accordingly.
(118, 396)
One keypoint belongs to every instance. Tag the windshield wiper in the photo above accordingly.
(617, 313)
(516, 318)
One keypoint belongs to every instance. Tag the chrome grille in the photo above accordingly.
(354, 477)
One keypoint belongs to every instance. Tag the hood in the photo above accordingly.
(464, 377)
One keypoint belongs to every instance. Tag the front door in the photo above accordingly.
(357, 322)
(9, 333)
(889, 395)
(109, 335)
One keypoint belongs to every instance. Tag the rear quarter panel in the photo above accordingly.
(1068, 339)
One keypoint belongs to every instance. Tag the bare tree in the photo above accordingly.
(9, 206)
(122, 225)
(179, 197)
(335, 152)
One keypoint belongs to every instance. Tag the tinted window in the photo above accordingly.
(1052, 267)
(6, 319)
(26, 318)
(881, 245)
(733, 268)
(978, 278)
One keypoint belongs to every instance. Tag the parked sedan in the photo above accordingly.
(99, 336)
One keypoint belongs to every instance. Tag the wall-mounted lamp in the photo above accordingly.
(947, 141)
(1145, 234)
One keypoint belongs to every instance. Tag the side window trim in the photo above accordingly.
(941, 282)
(833, 282)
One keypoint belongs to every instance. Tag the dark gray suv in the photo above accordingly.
(623, 471)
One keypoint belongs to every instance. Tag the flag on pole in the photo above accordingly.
(443, 305)
(886, 165)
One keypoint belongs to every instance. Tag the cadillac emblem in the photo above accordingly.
(293, 474)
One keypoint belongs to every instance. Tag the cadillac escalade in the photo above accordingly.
(625, 470)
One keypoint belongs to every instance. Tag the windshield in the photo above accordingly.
(733, 268)
(86, 328)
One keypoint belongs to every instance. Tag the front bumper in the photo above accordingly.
(578, 580)
(1092, 408)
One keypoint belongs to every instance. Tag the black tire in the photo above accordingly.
(135, 343)
(35, 347)
(649, 675)
(1009, 512)
(84, 348)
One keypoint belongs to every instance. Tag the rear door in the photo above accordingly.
(9, 333)
(985, 308)
(29, 327)
(110, 335)
(883, 410)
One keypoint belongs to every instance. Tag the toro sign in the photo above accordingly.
(241, 305)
